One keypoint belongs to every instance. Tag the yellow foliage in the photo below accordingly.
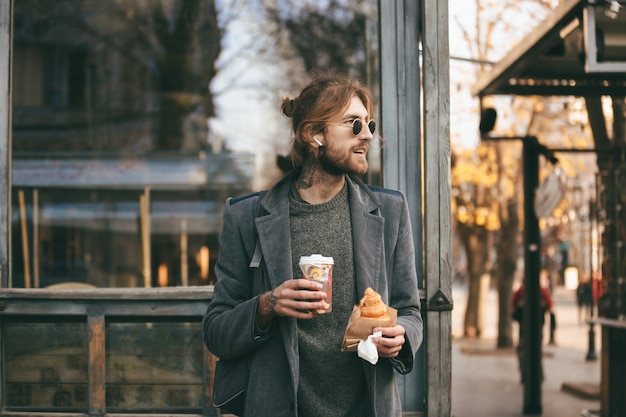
(462, 215)
(493, 221)
(480, 218)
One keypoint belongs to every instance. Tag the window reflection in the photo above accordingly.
(109, 238)
(154, 366)
(46, 366)
(134, 120)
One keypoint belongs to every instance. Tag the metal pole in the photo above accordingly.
(617, 241)
(591, 352)
(531, 325)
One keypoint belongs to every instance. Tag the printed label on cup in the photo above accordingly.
(319, 269)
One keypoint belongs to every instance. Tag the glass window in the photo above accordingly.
(156, 366)
(133, 121)
(46, 365)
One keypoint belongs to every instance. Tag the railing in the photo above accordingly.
(100, 351)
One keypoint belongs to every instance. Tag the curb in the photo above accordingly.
(582, 390)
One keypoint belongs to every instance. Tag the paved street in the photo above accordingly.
(486, 381)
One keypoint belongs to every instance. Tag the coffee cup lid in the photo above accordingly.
(317, 259)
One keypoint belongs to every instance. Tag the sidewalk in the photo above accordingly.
(486, 380)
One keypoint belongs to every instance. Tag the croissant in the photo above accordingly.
(372, 305)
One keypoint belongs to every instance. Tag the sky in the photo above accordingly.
(248, 88)
(464, 118)
(510, 25)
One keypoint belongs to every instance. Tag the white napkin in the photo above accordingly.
(367, 349)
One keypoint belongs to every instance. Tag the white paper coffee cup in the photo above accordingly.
(319, 268)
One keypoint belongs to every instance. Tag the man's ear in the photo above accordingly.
(313, 139)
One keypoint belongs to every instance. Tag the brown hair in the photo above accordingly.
(326, 97)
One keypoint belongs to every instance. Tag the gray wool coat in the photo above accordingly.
(384, 260)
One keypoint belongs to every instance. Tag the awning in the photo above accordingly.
(578, 50)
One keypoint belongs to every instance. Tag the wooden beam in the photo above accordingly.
(401, 108)
(589, 90)
(437, 207)
(6, 14)
(210, 360)
(96, 366)
(401, 116)
(24, 238)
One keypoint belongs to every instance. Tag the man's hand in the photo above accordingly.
(293, 298)
(391, 342)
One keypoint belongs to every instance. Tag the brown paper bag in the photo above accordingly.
(359, 328)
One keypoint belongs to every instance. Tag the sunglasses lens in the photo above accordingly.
(357, 125)
(371, 126)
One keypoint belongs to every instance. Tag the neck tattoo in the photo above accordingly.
(305, 180)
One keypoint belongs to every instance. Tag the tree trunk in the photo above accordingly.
(505, 272)
(189, 48)
(507, 254)
(476, 243)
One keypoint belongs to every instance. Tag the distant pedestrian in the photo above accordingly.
(517, 305)
(584, 298)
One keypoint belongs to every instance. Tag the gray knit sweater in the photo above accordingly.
(331, 382)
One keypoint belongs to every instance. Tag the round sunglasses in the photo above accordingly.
(357, 126)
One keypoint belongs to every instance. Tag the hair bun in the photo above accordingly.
(289, 106)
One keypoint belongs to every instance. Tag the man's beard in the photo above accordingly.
(335, 165)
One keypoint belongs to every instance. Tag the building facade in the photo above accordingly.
(125, 125)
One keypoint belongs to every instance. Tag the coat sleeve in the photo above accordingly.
(404, 290)
(229, 322)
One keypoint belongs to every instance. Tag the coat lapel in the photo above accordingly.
(275, 239)
(367, 231)
(273, 231)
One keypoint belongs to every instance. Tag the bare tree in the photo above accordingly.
(483, 195)
(159, 56)
(184, 40)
